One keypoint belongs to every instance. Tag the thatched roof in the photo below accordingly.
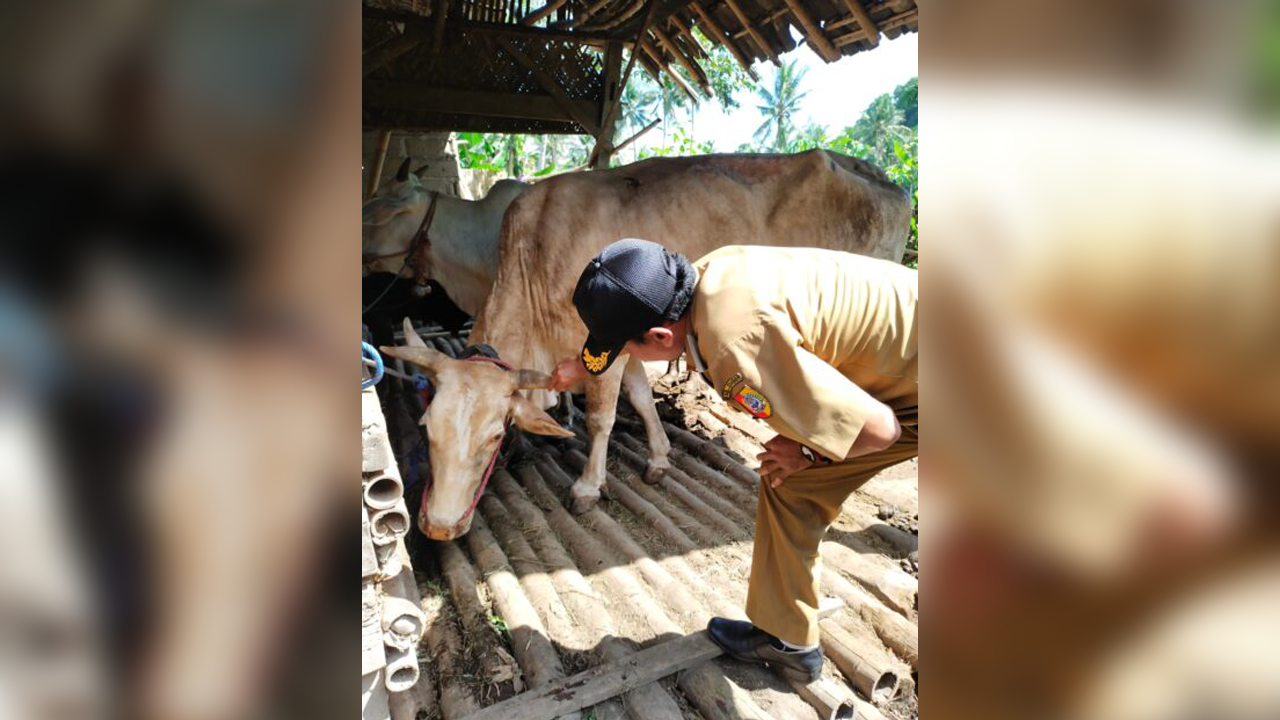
(522, 66)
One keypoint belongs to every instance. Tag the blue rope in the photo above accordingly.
(368, 351)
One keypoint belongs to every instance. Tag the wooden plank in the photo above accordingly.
(817, 40)
(549, 84)
(604, 150)
(719, 35)
(410, 96)
(605, 681)
(751, 30)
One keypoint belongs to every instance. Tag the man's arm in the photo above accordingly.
(809, 401)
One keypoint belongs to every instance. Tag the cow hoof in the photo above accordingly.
(582, 498)
(653, 473)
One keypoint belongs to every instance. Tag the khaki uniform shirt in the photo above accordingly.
(787, 333)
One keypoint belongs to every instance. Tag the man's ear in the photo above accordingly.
(528, 416)
(660, 336)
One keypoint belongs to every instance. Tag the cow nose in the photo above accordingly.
(437, 533)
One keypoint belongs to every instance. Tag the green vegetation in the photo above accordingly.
(885, 133)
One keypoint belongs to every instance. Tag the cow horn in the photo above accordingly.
(532, 380)
(424, 357)
(402, 174)
(420, 171)
(411, 336)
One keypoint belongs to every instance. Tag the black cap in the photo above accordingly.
(631, 286)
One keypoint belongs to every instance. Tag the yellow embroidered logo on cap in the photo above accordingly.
(595, 363)
(754, 402)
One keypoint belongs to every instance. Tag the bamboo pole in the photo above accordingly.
(685, 31)
(445, 648)
(637, 136)
(703, 490)
(865, 23)
(891, 585)
(709, 516)
(529, 640)
(861, 660)
(389, 525)
(895, 631)
(379, 162)
(542, 13)
(657, 58)
(497, 665)
(674, 592)
(711, 454)
(751, 30)
(383, 489)
(817, 40)
(695, 71)
(577, 594)
(719, 35)
(695, 682)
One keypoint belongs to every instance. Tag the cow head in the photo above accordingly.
(465, 424)
(391, 217)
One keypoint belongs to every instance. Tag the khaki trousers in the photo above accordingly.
(782, 596)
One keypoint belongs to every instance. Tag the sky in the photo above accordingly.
(838, 93)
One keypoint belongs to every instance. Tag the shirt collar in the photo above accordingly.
(691, 346)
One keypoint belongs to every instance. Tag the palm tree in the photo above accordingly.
(672, 99)
(878, 128)
(779, 106)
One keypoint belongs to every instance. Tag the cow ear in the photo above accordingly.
(402, 175)
(421, 171)
(424, 357)
(411, 336)
(534, 419)
(380, 210)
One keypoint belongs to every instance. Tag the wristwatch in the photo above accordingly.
(813, 457)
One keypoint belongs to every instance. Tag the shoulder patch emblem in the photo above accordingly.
(727, 390)
(595, 363)
(754, 402)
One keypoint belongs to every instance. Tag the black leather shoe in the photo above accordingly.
(749, 643)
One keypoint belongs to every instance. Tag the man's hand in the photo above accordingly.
(567, 373)
(780, 460)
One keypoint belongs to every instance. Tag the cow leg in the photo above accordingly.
(640, 394)
(602, 407)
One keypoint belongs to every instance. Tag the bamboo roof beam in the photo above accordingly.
(892, 23)
(682, 28)
(766, 19)
(865, 22)
(718, 34)
(542, 13)
(657, 58)
(695, 71)
(820, 43)
(585, 15)
(387, 52)
(755, 34)
(549, 84)
(626, 14)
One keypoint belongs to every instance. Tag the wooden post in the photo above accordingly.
(865, 22)
(379, 161)
(604, 150)
(755, 34)
(718, 34)
(818, 41)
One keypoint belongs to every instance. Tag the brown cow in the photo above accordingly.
(691, 205)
